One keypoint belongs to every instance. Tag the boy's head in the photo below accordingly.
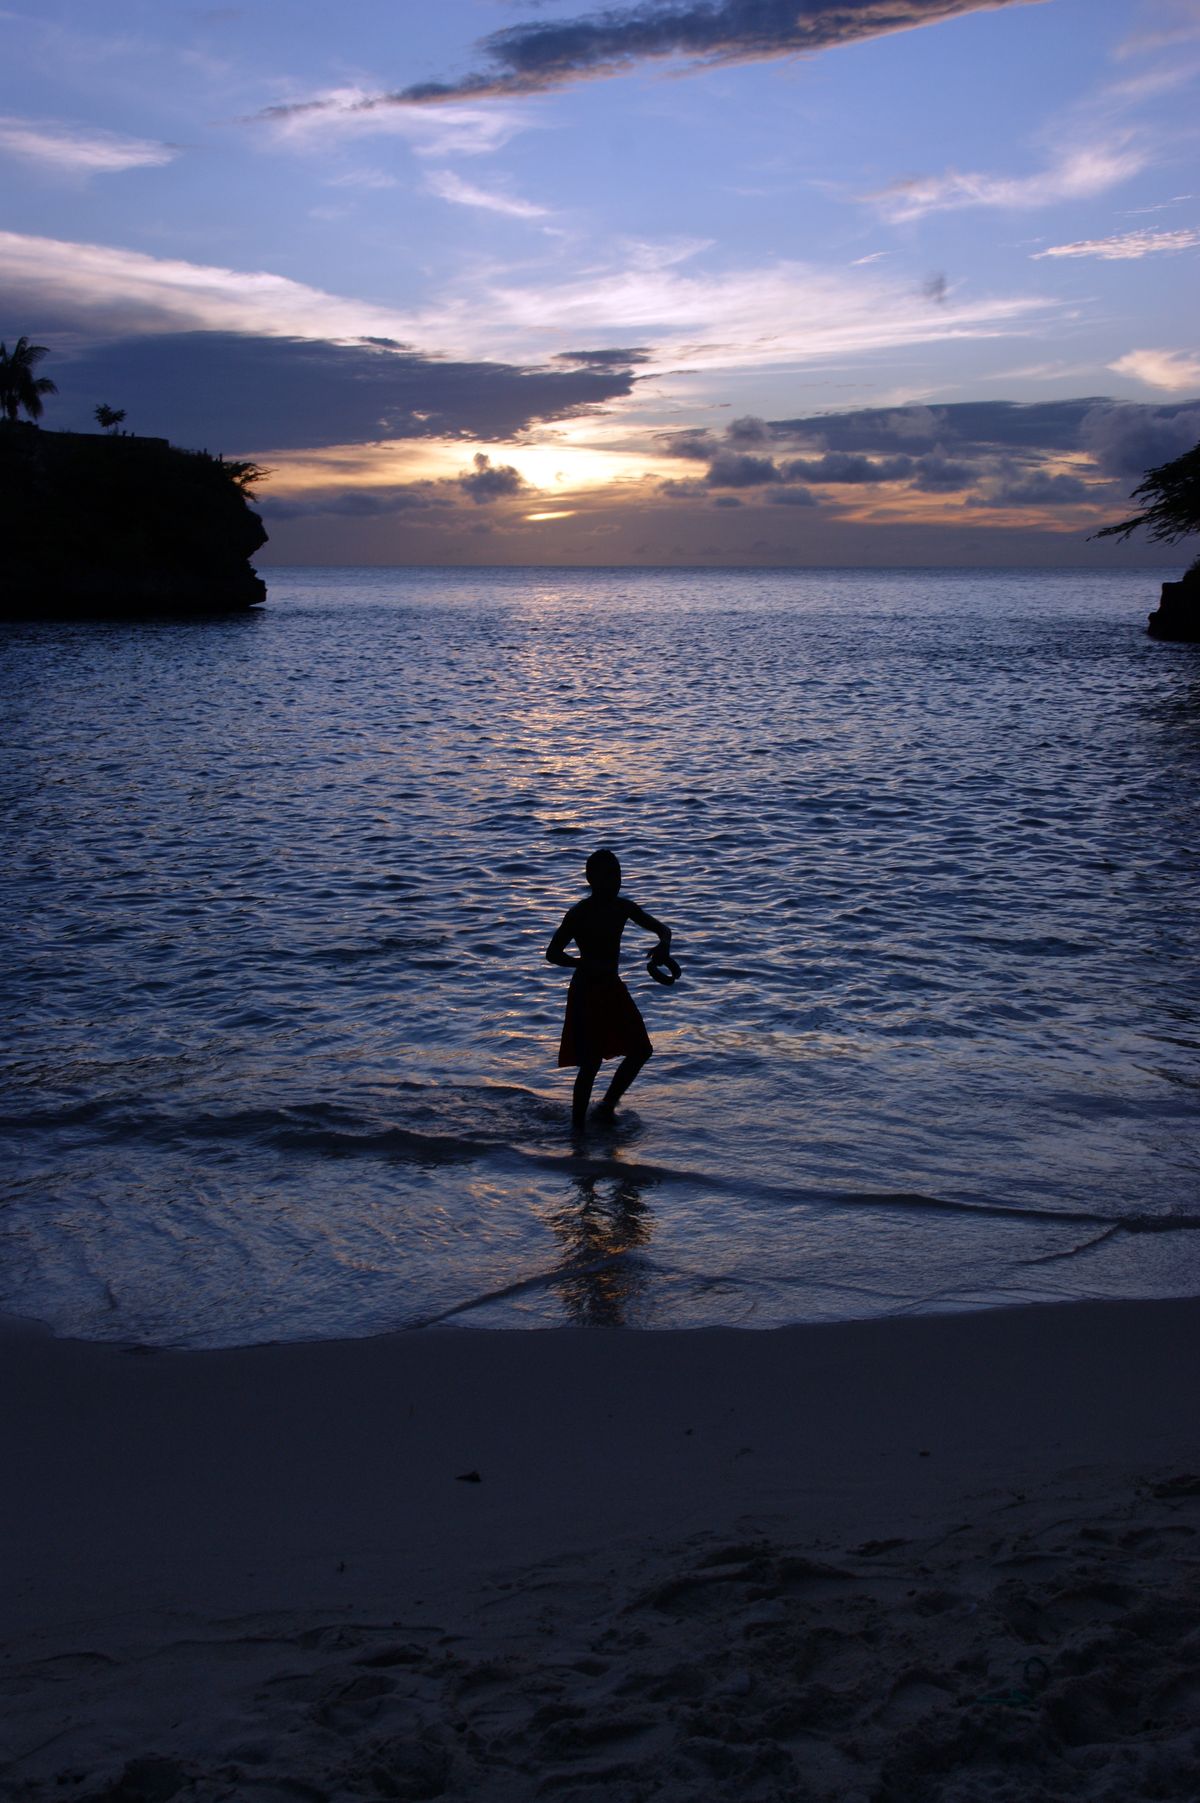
(603, 872)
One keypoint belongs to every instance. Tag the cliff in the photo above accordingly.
(1177, 615)
(94, 524)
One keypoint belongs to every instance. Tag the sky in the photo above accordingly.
(681, 282)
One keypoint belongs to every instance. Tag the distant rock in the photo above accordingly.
(92, 525)
(1177, 615)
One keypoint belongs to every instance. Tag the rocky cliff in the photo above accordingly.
(1177, 615)
(96, 524)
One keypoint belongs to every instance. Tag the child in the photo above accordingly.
(602, 1018)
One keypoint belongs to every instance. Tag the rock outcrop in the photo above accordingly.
(92, 524)
(1177, 615)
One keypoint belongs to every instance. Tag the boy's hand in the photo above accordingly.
(662, 966)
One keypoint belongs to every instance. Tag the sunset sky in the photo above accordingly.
(681, 282)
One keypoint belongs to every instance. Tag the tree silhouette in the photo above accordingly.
(109, 417)
(19, 387)
(1173, 493)
(243, 473)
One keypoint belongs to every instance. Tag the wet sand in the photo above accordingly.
(934, 1558)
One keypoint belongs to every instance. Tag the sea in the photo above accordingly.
(279, 1039)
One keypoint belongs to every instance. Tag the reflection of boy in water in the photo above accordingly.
(602, 1017)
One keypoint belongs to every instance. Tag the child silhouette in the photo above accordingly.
(602, 1019)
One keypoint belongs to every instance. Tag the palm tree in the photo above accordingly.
(1173, 493)
(109, 417)
(19, 387)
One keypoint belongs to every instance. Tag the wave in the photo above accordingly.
(323, 1130)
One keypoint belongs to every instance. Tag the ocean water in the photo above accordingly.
(278, 1044)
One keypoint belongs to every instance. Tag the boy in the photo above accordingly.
(602, 1019)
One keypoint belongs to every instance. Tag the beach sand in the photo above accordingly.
(947, 1558)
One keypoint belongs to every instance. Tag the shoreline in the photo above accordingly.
(19, 1328)
(290, 1512)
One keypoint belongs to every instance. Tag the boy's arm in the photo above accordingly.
(556, 951)
(640, 918)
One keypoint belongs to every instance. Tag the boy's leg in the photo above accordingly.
(623, 1076)
(582, 1094)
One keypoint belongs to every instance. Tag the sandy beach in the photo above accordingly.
(937, 1558)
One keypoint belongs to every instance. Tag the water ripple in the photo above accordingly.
(279, 1038)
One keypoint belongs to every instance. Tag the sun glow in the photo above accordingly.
(555, 469)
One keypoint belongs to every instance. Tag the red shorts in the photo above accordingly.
(602, 1022)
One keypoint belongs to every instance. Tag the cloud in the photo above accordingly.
(938, 475)
(691, 488)
(1160, 206)
(1126, 440)
(845, 467)
(1040, 489)
(431, 132)
(731, 467)
(230, 390)
(80, 151)
(535, 57)
(605, 359)
(734, 470)
(99, 286)
(354, 503)
(1163, 37)
(449, 186)
(728, 467)
(1006, 446)
(990, 453)
(748, 430)
(1123, 246)
(969, 429)
(489, 481)
(694, 443)
(1078, 175)
(362, 178)
(1173, 370)
(783, 313)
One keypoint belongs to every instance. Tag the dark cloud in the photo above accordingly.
(845, 466)
(969, 428)
(535, 56)
(935, 289)
(231, 391)
(693, 443)
(1008, 440)
(729, 467)
(614, 359)
(997, 449)
(733, 469)
(727, 501)
(941, 448)
(747, 431)
(489, 481)
(1127, 440)
(686, 490)
(1038, 489)
(354, 503)
(938, 475)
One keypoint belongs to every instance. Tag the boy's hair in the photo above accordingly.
(602, 867)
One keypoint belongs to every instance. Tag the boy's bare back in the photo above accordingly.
(596, 925)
